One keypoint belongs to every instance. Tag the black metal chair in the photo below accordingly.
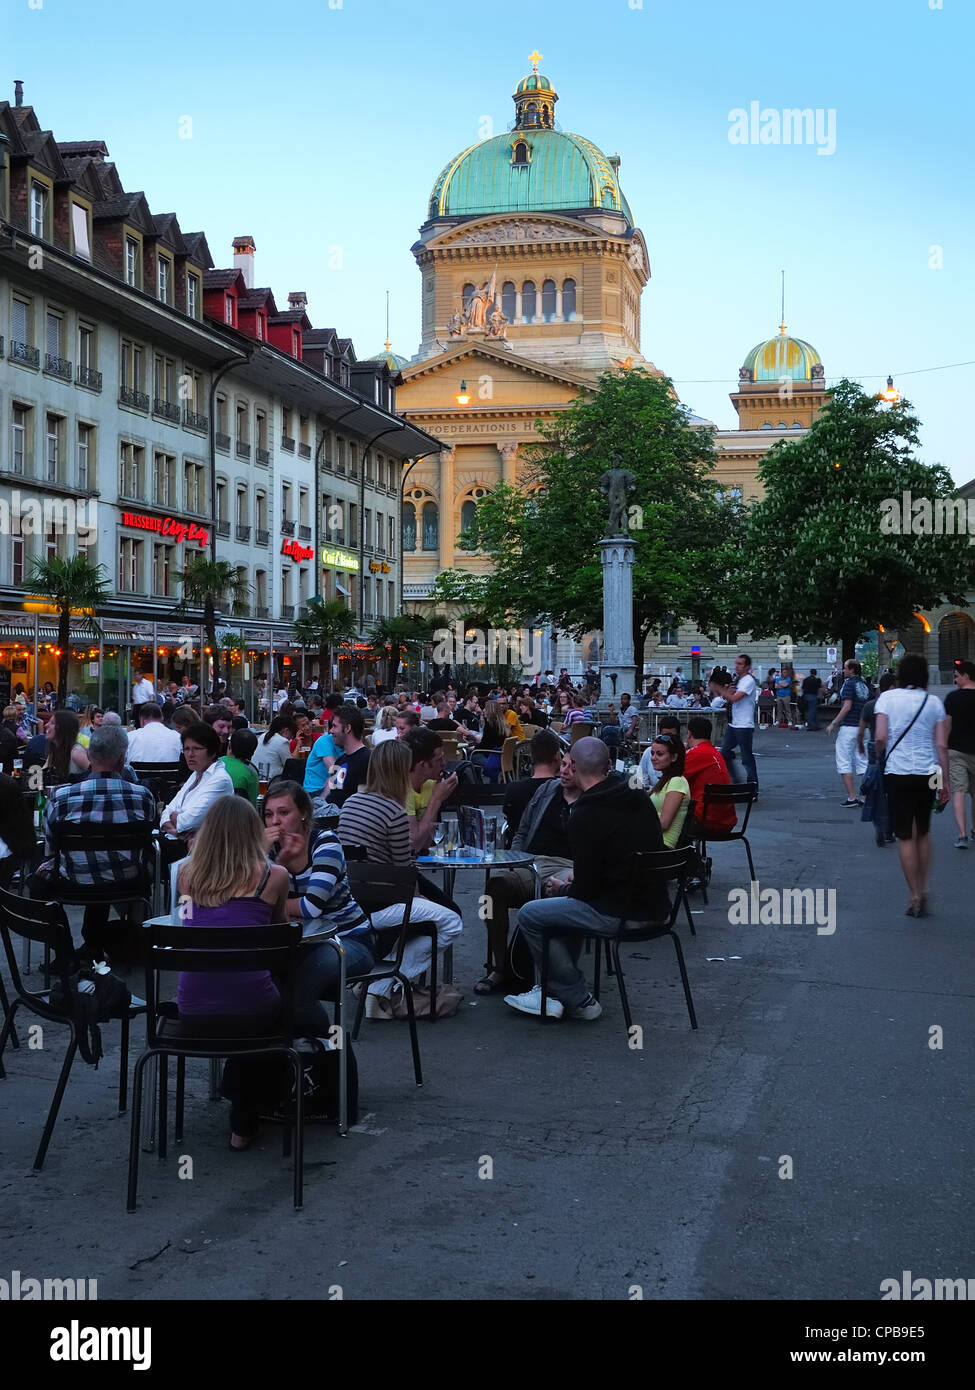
(215, 950)
(374, 887)
(737, 794)
(163, 779)
(133, 838)
(650, 873)
(46, 923)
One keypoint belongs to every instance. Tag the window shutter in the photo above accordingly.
(20, 321)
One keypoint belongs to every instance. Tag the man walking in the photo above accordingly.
(742, 698)
(608, 824)
(960, 709)
(854, 693)
(811, 687)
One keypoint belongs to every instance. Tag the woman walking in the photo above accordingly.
(912, 741)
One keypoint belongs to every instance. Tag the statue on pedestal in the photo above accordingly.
(456, 325)
(497, 323)
(617, 485)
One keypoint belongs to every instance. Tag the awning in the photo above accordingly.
(340, 589)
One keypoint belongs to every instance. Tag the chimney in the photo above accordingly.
(297, 299)
(244, 249)
(18, 92)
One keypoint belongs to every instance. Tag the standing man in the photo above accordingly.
(782, 685)
(854, 693)
(960, 709)
(811, 687)
(739, 732)
(143, 691)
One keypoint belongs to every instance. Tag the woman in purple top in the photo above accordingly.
(227, 881)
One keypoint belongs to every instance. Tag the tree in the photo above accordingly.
(211, 585)
(325, 623)
(823, 562)
(544, 540)
(390, 634)
(76, 588)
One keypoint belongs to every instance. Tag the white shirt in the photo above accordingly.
(915, 755)
(143, 691)
(382, 735)
(628, 717)
(676, 701)
(743, 711)
(154, 743)
(193, 800)
(270, 758)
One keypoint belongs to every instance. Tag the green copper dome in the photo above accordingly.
(562, 172)
(782, 356)
(393, 360)
(534, 82)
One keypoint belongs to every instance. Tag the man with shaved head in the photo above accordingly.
(608, 823)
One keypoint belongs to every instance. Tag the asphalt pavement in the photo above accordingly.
(811, 1139)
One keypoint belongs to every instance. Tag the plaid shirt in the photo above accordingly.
(100, 800)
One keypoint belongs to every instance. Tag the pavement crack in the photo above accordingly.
(148, 1259)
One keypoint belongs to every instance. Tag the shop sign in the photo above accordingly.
(167, 526)
(378, 567)
(297, 551)
(339, 560)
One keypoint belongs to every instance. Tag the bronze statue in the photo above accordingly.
(617, 485)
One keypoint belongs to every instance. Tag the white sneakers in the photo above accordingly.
(531, 1003)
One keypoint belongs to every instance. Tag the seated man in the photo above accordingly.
(542, 833)
(546, 759)
(323, 754)
(350, 768)
(103, 799)
(609, 822)
(704, 766)
(429, 789)
(629, 718)
(153, 742)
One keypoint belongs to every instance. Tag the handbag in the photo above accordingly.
(882, 760)
(91, 994)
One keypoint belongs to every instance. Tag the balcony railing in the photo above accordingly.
(263, 456)
(304, 533)
(223, 528)
(243, 451)
(57, 366)
(262, 612)
(1, 344)
(288, 527)
(262, 537)
(87, 376)
(138, 400)
(169, 410)
(222, 441)
(287, 610)
(243, 532)
(23, 352)
(288, 444)
(194, 421)
(304, 450)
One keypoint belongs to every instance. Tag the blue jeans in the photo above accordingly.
(565, 921)
(812, 712)
(741, 739)
(317, 978)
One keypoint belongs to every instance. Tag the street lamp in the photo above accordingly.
(891, 395)
(463, 396)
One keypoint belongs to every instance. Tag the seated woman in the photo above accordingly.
(228, 881)
(576, 710)
(16, 829)
(385, 729)
(319, 897)
(65, 755)
(208, 782)
(375, 819)
(494, 731)
(671, 794)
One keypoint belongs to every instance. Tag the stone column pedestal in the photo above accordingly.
(617, 559)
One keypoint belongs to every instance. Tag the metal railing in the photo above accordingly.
(243, 532)
(243, 451)
(169, 410)
(263, 456)
(262, 537)
(262, 612)
(287, 610)
(304, 533)
(223, 528)
(222, 441)
(288, 444)
(23, 352)
(57, 366)
(194, 421)
(288, 527)
(304, 450)
(138, 400)
(87, 376)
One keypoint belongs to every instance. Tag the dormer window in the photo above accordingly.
(228, 310)
(521, 153)
(260, 326)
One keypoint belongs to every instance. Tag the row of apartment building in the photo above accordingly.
(173, 405)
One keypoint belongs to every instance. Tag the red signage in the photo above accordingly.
(167, 526)
(296, 551)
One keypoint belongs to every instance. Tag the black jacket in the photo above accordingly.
(610, 822)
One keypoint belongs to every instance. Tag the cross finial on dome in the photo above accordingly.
(535, 58)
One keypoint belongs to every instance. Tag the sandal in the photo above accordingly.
(493, 983)
(244, 1141)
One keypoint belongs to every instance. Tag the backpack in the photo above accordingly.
(91, 996)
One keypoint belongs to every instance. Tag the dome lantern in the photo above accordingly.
(535, 99)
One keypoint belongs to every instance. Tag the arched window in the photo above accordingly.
(508, 300)
(528, 302)
(431, 526)
(568, 300)
(548, 300)
(468, 513)
(521, 153)
(409, 526)
(465, 296)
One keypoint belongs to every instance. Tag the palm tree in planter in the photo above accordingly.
(76, 588)
(211, 585)
(390, 634)
(325, 623)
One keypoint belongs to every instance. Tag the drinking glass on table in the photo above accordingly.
(439, 831)
(451, 836)
(262, 786)
(490, 840)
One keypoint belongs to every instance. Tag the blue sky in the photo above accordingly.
(318, 124)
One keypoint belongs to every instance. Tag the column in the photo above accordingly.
(517, 318)
(447, 528)
(558, 303)
(509, 463)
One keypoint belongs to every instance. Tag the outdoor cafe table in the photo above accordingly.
(469, 858)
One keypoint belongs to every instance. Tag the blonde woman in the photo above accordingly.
(376, 819)
(228, 881)
(385, 729)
